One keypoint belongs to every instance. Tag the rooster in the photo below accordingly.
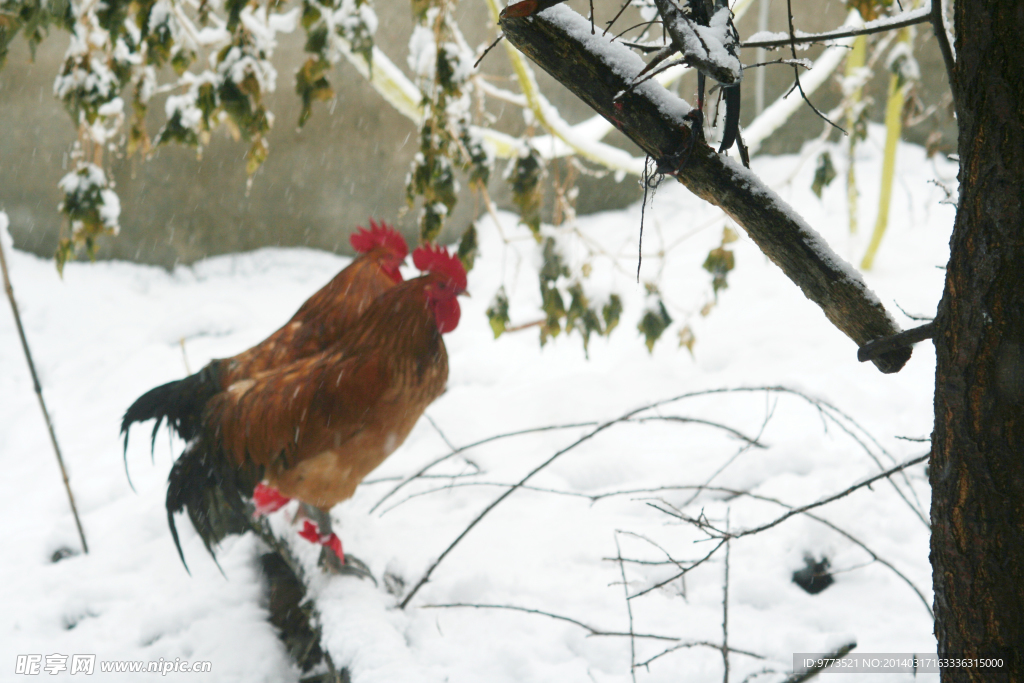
(313, 429)
(317, 324)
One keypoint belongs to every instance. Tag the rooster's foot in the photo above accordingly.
(352, 566)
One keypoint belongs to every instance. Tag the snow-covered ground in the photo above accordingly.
(110, 331)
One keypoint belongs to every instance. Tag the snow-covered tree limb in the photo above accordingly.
(595, 69)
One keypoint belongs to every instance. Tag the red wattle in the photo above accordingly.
(447, 313)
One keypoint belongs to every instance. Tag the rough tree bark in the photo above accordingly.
(977, 466)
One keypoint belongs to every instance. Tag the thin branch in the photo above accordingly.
(589, 435)
(590, 629)
(488, 49)
(629, 610)
(440, 433)
(750, 442)
(723, 537)
(586, 437)
(875, 556)
(699, 643)
(725, 608)
(39, 394)
(693, 565)
(796, 71)
(802, 62)
(825, 501)
(437, 461)
(915, 17)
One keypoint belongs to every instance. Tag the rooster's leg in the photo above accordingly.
(332, 559)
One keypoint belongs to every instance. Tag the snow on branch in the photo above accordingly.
(596, 70)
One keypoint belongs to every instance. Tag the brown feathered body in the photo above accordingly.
(318, 324)
(318, 426)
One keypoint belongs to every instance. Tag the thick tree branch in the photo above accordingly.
(596, 70)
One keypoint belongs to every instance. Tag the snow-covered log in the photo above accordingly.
(597, 69)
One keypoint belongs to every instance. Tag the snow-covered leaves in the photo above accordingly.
(442, 66)
(331, 27)
(92, 207)
(219, 54)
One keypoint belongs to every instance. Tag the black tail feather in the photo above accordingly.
(213, 491)
(732, 116)
(180, 403)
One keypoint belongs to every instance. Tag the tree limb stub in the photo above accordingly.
(595, 70)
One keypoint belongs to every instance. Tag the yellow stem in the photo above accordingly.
(855, 61)
(893, 124)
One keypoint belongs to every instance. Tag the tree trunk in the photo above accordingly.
(977, 467)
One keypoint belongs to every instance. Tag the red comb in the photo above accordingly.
(379, 235)
(435, 259)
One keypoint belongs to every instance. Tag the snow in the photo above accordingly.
(111, 330)
(620, 59)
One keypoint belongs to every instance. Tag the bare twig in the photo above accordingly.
(440, 432)
(750, 442)
(734, 492)
(684, 572)
(596, 632)
(723, 537)
(438, 461)
(524, 326)
(824, 501)
(875, 557)
(725, 608)
(897, 23)
(594, 432)
(590, 629)
(488, 49)
(796, 71)
(586, 437)
(39, 394)
(701, 643)
(629, 610)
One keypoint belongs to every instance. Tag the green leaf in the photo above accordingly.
(497, 312)
(824, 173)
(654, 323)
(687, 339)
(554, 307)
(611, 313)
(553, 266)
(527, 193)
(468, 247)
(719, 262)
(312, 86)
